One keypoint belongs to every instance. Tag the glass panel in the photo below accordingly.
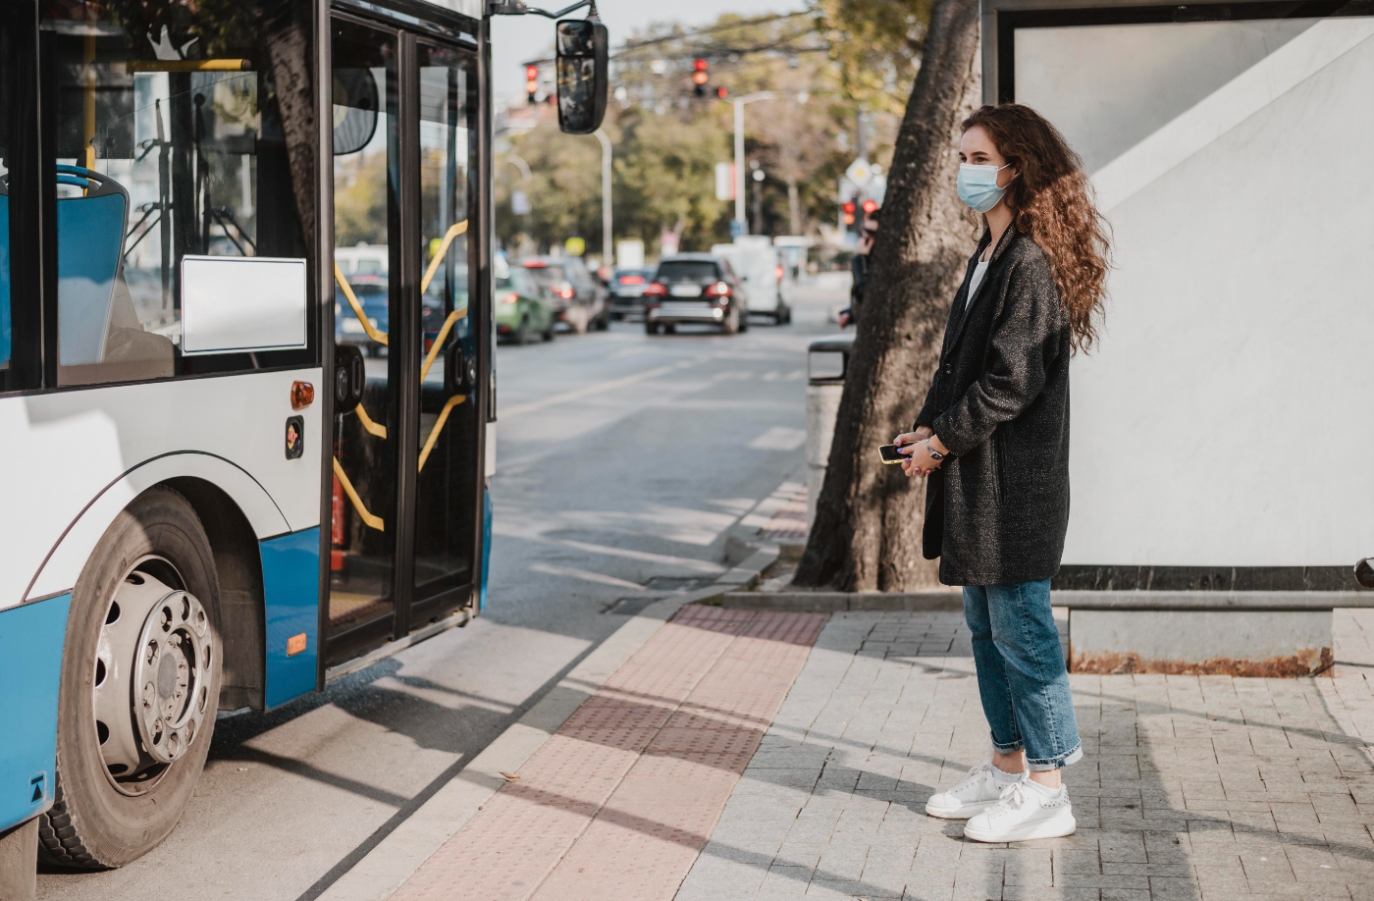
(446, 493)
(1142, 76)
(365, 212)
(172, 138)
(1210, 143)
(687, 271)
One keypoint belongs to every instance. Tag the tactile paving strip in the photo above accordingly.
(618, 803)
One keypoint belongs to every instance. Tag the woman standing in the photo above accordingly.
(994, 438)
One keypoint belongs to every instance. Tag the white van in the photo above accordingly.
(755, 261)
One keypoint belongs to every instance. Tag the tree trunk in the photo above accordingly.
(867, 532)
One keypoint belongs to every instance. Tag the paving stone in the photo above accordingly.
(1196, 788)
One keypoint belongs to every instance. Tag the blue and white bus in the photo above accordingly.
(233, 463)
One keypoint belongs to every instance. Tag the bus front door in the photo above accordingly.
(406, 499)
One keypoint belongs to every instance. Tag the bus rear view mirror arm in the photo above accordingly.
(516, 8)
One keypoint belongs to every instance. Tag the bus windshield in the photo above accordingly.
(181, 130)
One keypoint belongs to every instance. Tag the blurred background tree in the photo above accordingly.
(842, 70)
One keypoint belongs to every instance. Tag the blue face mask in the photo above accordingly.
(978, 186)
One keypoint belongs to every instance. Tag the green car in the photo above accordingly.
(522, 310)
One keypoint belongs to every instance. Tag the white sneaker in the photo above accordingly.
(1025, 811)
(978, 791)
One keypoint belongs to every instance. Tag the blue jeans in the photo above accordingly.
(1021, 675)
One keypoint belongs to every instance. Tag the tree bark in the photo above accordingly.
(867, 532)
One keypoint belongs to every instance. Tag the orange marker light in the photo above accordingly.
(302, 395)
(295, 644)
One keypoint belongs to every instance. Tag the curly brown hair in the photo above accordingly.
(1052, 201)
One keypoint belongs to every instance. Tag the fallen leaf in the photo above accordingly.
(511, 777)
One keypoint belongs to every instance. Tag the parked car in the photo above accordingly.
(759, 265)
(578, 298)
(627, 292)
(373, 297)
(695, 288)
(523, 310)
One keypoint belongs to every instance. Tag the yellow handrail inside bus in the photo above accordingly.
(453, 401)
(371, 521)
(376, 430)
(183, 65)
(439, 341)
(454, 231)
(379, 337)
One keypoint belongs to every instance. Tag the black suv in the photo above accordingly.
(695, 288)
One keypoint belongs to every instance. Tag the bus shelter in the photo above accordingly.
(1220, 446)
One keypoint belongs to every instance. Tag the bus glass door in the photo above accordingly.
(447, 491)
(366, 101)
(407, 457)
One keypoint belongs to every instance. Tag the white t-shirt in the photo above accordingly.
(976, 282)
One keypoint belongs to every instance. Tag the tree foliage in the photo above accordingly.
(824, 64)
(877, 46)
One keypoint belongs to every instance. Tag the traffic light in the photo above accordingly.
(700, 76)
(531, 82)
(722, 93)
(870, 207)
(847, 209)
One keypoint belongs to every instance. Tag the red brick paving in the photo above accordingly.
(618, 803)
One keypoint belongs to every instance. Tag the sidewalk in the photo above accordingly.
(765, 755)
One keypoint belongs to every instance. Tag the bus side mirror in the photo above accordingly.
(582, 75)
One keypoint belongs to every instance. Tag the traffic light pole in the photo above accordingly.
(741, 227)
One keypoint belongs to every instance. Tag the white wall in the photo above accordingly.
(1223, 421)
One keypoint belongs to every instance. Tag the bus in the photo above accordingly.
(211, 500)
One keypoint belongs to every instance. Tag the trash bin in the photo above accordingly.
(827, 361)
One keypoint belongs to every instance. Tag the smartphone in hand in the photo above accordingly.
(891, 455)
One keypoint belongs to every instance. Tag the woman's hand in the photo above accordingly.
(916, 446)
(909, 438)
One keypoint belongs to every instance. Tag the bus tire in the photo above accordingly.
(156, 558)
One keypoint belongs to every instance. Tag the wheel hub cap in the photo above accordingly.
(152, 677)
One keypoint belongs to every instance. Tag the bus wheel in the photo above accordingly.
(140, 686)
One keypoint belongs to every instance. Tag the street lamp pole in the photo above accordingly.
(739, 153)
(607, 251)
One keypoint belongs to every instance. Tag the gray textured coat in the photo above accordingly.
(998, 507)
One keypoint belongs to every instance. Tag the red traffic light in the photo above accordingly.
(699, 78)
(870, 207)
(699, 65)
(722, 93)
(531, 73)
(848, 207)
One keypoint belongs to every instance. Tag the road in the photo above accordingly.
(622, 461)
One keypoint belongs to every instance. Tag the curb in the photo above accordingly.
(843, 601)
(396, 858)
